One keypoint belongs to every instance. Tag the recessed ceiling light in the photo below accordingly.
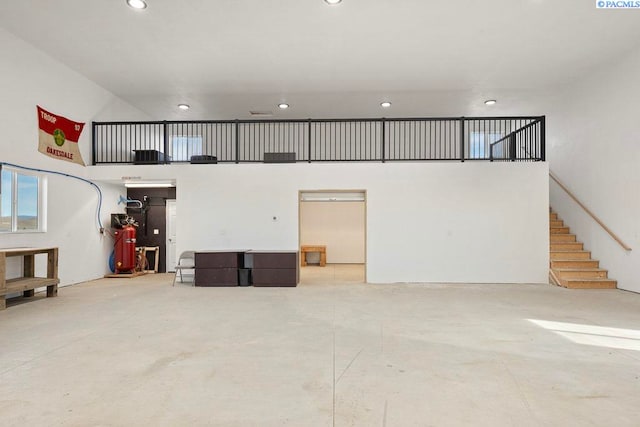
(332, 1)
(183, 106)
(283, 106)
(137, 4)
(385, 104)
(490, 102)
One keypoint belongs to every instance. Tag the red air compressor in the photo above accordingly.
(125, 249)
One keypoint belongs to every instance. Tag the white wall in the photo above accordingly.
(593, 147)
(28, 77)
(340, 226)
(436, 222)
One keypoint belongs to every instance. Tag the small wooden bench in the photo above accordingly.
(28, 282)
(304, 249)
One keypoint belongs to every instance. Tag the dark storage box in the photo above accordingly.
(203, 160)
(279, 157)
(244, 276)
(149, 157)
(248, 260)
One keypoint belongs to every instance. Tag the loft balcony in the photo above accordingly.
(320, 140)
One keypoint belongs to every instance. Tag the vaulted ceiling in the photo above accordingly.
(228, 57)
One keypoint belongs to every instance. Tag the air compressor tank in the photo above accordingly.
(125, 249)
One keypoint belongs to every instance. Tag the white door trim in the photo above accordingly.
(170, 242)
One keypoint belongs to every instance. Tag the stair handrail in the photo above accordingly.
(591, 214)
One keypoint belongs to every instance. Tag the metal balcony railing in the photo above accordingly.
(320, 140)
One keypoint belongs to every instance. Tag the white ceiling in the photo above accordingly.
(227, 57)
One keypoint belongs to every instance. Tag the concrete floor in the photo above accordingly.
(332, 274)
(138, 352)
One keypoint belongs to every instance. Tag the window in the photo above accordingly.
(183, 147)
(21, 202)
(480, 142)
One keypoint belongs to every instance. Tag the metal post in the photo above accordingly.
(462, 135)
(383, 139)
(512, 146)
(237, 140)
(166, 142)
(543, 139)
(309, 136)
(93, 143)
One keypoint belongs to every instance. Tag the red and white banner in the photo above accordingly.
(59, 137)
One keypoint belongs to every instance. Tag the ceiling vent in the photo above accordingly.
(261, 113)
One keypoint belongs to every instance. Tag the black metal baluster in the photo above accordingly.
(462, 127)
(543, 138)
(384, 137)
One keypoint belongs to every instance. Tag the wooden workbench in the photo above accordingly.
(28, 282)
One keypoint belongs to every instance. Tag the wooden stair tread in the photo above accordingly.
(593, 263)
(567, 244)
(571, 256)
(580, 272)
(572, 260)
(562, 238)
(589, 283)
(566, 251)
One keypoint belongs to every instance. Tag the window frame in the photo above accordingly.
(41, 204)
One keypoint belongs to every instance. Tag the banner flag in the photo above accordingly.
(59, 137)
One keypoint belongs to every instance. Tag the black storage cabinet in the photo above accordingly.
(217, 268)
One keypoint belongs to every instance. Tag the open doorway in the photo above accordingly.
(333, 222)
(152, 223)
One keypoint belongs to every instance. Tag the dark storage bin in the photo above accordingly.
(149, 157)
(248, 260)
(203, 160)
(279, 157)
(244, 276)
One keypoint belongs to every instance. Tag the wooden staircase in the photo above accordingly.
(570, 265)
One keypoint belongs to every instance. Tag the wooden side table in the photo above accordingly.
(321, 249)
